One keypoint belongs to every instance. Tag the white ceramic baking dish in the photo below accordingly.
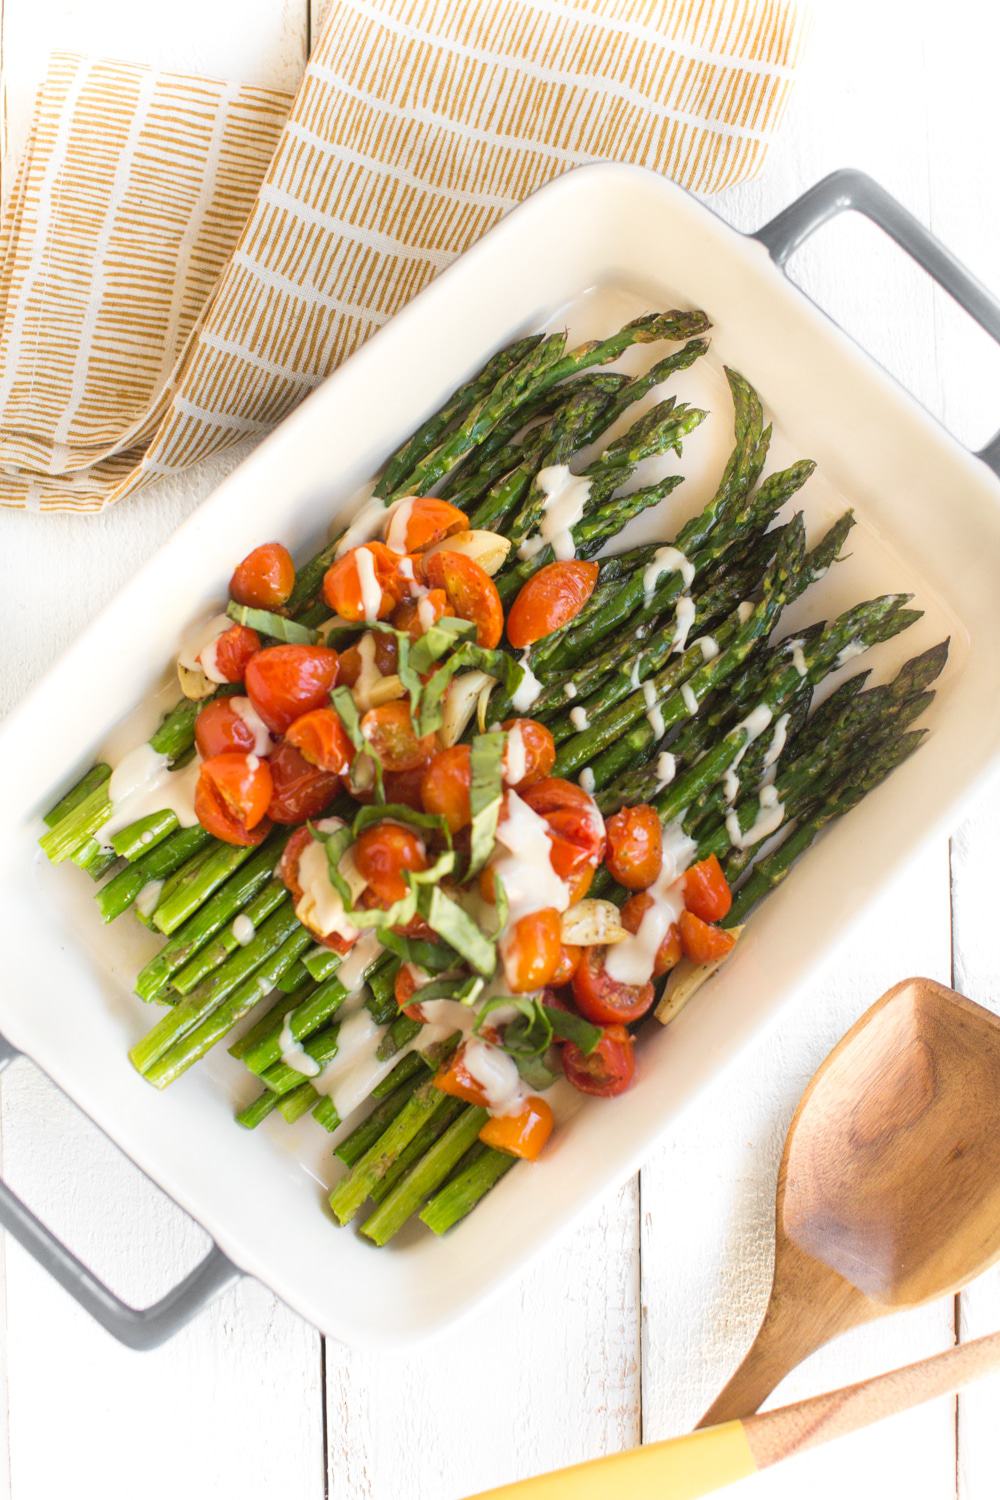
(592, 248)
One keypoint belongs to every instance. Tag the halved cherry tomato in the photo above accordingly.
(364, 575)
(550, 599)
(472, 594)
(219, 727)
(233, 650)
(445, 786)
(669, 951)
(404, 786)
(523, 1134)
(416, 616)
(389, 730)
(406, 984)
(284, 682)
(382, 853)
(288, 865)
(704, 944)
(418, 521)
(320, 738)
(385, 657)
(576, 824)
(604, 1000)
(532, 950)
(569, 958)
(264, 578)
(706, 890)
(537, 754)
(635, 846)
(231, 798)
(453, 1077)
(300, 790)
(606, 1071)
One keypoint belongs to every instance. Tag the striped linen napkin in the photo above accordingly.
(183, 260)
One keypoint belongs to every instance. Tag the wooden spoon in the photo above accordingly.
(889, 1186)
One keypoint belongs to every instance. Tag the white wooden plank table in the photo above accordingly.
(628, 1330)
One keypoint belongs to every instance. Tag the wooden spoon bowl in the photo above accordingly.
(889, 1186)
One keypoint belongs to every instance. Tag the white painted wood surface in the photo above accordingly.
(633, 1325)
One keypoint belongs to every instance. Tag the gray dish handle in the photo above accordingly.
(845, 189)
(137, 1327)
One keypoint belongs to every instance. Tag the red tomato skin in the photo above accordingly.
(569, 960)
(706, 890)
(471, 592)
(603, 1000)
(669, 952)
(382, 853)
(386, 658)
(301, 790)
(539, 750)
(390, 732)
(265, 578)
(342, 582)
(321, 739)
(411, 614)
(288, 865)
(550, 599)
(635, 846)
(531, 950)
(523, 1135)
(425, 520)
(445, 786)
(454, 1078)
(608, 1070)
(404, 987)
(231, 797)
(284, 682)
(404, 787)
(704, 944)
(234, 650)
(574, 819)
(219, 728)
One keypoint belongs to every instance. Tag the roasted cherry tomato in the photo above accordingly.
(231, 798)
(669, 951)
(284, 682)
(408, 981)
(265, 578)
(472, 594)
(606, 1071)
(389, 731)
(382, 853)
(404, 786)
(300, 790)
(320, 737)
(288, 865)
(445, 786)
(523, 1134)
(604, 1000)
(220, 727)
(416, 616)
(576, 824)
(550, 599)
(453, 1077)
(384, 658)
(532, 950)
(529, 754)
(706, 890)
(569, 958)
(635, 846)
(233, 650)
(704, 944)
(363, 584)
(418, 521)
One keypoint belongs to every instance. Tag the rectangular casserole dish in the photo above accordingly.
(592, 249)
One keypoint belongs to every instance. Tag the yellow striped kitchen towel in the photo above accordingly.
(183, 260)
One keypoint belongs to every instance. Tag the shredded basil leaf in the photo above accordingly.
(434, 958)
(344, 703)
(441, 637)
(466, 990)
(569, 1027)
(401, 911)
(485, 794)
(450, 922)
(536, 1072)
(399, 812)
(275, 626)
(526, 1038)
(498, 664)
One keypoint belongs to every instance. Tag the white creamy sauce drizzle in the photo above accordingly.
(142, 783)
(850, 651)
(496, 1074)
(369, 677)
(666, 560)
(798, 657)
(399, 520)
(755, 723)
(688, 695)
(708, 646)
(243, 929)
(586, 779)
(199, 646)
(515, 759)
(353, 964)
(371, 589)
(145, 902)
(654, 713)
(565, 501)
(744, 611)
(631, 961)
(570, 689)
(353, 1072)
(730, 785)
(263, 744)
(666, 769)
(526, 869)
(293, 1055)
(778, 740)
(320, 907)
(528, 689)
(367, 524)
(426, 613)
(683, 621)
(578, 718)
(770, 816)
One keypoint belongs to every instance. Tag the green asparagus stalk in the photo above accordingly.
(429, 1173)
(352, 1191)
(483, 1169)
